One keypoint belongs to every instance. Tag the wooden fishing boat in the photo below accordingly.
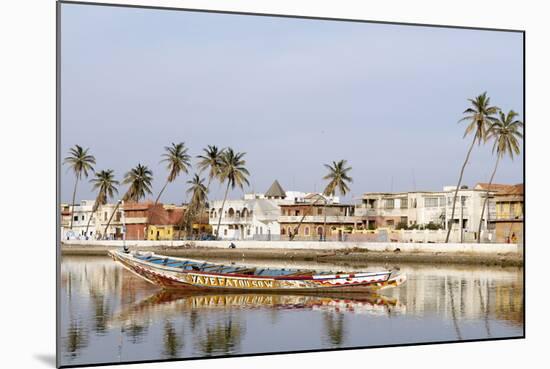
(178, 273)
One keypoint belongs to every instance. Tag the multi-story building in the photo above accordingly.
(253, 217)
(78, 226)
(132, 221)
(423, 208)
(316, 219)
(509, 214)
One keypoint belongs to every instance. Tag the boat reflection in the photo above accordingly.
(167, 304)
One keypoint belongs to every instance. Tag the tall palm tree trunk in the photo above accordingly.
(90, 218)
(72, 203)
(297, 228)
(487, 198)
(161, 191)
(110, 219)
(456, 190)
(325, 221)
(221, 210)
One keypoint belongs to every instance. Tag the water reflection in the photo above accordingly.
(108, 314)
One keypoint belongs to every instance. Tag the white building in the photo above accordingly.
(422, 208)
(83, 227)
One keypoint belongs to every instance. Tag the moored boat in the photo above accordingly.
(178, 273)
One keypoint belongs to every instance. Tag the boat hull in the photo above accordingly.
(171, 278)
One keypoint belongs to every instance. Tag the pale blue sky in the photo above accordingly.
(292, 93)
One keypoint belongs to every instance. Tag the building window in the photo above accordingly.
(283, 231)
(105, 216)
(442, 202)
(225, 232)
(75, 218)
(297, 212)
(306, 231)
(320, 231)
(319, 211)
(404, 203)
(82, 217)
(248, 231)
(389, 204)
(431, 202)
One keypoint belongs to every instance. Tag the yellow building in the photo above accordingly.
(160, 232)
(509, 215)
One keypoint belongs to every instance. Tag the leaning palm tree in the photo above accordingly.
(481, 116)
(211, 161)
(105, 183)
(198, 193)
(81, 164)
(233, 171)
(177, 160)
(506, 132)
(139, 179)
(338, 180)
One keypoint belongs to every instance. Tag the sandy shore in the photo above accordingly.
(501, 259)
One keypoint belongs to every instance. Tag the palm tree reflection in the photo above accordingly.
(334, 323)
(223, 338)
(76, 338)
(172, 342)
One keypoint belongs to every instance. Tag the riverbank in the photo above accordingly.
(471, 254)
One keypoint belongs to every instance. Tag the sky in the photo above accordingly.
(293, 94)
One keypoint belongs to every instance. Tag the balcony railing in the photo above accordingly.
(319, 219)
(231, 220)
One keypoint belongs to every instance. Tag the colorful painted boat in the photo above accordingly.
(178, 273)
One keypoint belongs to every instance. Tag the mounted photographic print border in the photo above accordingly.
(60, 170)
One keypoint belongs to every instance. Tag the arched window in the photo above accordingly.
(306, 231)
(238, 214)
(245, 213)
(213, 213)
(283, 231)
(320, 231)
(231, 213)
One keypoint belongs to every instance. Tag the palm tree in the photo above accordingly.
(198, 193)
(506, 132)
(105, 182)
(81, 163)
(177, 160)
(139, 179)
(480, 115)
(338, 180)
(212, 161)
(232, 170)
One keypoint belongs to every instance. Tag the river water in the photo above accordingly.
(110, 315)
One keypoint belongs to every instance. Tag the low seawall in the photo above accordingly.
(455, 253)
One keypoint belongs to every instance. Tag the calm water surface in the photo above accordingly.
(110, 315)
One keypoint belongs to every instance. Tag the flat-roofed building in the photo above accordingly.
(509, 214)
